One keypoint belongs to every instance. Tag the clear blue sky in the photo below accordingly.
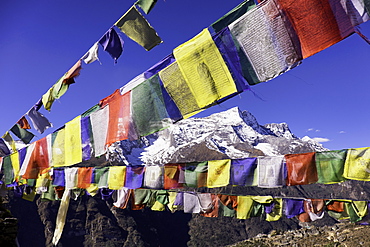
(327, 96)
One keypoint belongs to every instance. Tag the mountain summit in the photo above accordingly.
(232, 134)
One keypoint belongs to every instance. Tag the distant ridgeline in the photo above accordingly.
(250, 44)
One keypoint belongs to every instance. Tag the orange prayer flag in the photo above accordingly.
(24, 123)
(314, 22)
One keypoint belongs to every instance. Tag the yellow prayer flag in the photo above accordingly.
(179, 90)
(263, 199)
(218, 173)
(204, 69)
(61, 217)
(58, 149)
(360, 207)
(277, 211)
(157, 206)
(93, 189)
(73, 142)
(14, 157)
(357, 164)
(43, 179)
(171, 198)
(244, 209)
(48, 99)
(9, 139)
(116, 177)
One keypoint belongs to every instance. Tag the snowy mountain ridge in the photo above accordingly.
(232, 134)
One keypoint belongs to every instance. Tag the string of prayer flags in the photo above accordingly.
(92, 54)
(146, 5)
(266, 40)
(357, 164)
(233, 15)
(330, 165)
(137, 28)
(204, 69)
(22, 134)
(39, 121)
(112, 43)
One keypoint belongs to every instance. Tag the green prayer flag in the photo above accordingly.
(101, 176)
(226, 211)
(330, 166)
(8, 170)
(22, 134)
(356, 210)
(49, 195)
(162, 197)
(146, 5)
(60, 88)
(148, 109)
(194, 172)
(136, 27)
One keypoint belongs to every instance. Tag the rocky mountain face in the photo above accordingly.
(232, 134)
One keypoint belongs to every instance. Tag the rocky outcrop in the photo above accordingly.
(339, 234)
